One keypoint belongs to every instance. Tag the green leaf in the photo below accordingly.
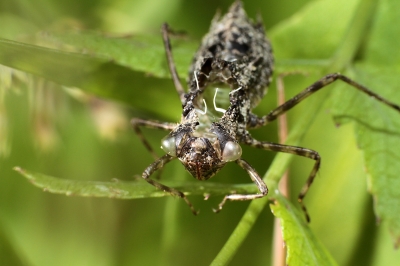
(377, 131)
(100, 74)
(376, 125)
(303, 248)
(142, 53)
(300, 36)
(118, 189)
(383, 42)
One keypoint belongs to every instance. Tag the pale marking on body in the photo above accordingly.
(235, 90)
(204, 101)
(221, 110)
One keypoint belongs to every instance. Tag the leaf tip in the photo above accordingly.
(19, 170)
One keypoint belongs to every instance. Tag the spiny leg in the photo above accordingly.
(256, 122)
(137, 123)
(262, 187)
(171, 63)
(159, 164)
(308, 153)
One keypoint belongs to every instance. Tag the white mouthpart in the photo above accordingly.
(221, 110)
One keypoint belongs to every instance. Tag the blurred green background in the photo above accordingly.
(49, 129)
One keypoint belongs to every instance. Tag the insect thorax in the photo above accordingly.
(235, 52)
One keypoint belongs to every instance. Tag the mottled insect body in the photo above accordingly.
(236, 55)
(236, 52)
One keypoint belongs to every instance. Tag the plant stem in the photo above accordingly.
(278, 247)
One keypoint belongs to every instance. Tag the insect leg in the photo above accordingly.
(137, 122)
(308, 153)
(262, 187)
(159, 164)
(256, 122)
(171, 63)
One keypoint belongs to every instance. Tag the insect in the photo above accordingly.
(236, 55)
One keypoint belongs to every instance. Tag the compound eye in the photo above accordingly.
(168, 144)
(232, 152)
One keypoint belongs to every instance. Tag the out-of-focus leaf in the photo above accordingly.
(97, 75)
(305, 35)
(9, 252)
(383, 42)
(142, 53)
